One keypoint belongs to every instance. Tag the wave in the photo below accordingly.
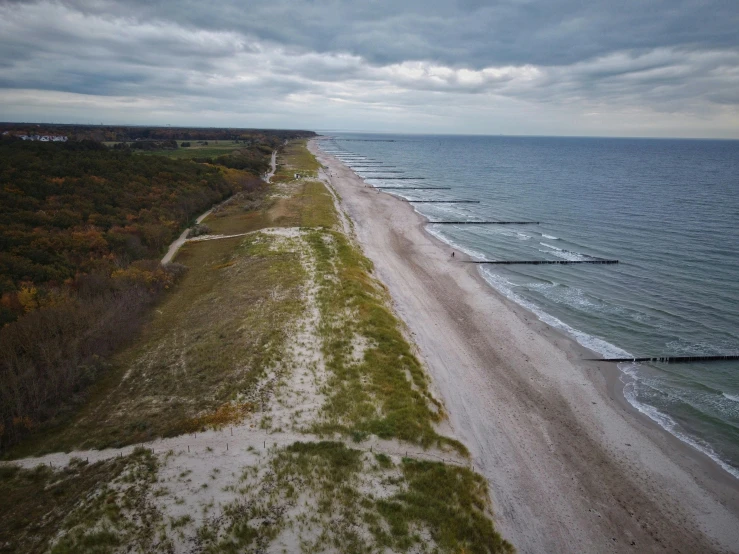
(666, 422)
(608, 350)
(550, 237)
(564, 254)
(434, 231)
(591, 342)
(567, 254)
(732, 397)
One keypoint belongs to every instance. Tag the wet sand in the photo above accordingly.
(571, 466)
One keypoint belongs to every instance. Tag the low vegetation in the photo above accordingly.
(81, 507)
(295, 414)
(357, 503)
(384, 391)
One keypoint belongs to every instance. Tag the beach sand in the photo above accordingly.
(571, 466)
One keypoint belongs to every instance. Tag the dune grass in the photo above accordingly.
(384, 393)
(359, 503)
(83, 507)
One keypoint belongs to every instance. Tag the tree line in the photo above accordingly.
(124, 133)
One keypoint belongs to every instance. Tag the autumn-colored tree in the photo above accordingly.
(81, 230)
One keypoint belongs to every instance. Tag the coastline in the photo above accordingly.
(572, 466)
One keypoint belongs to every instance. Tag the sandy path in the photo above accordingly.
(177, 244)
(570, 468)
(232, 441)
(273, 164)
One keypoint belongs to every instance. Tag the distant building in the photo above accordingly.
(44, 138)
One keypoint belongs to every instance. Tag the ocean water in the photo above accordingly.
(668, 210)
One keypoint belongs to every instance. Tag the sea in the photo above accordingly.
(667, 210)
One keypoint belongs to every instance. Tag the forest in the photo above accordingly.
(82, 229)
(120, 133)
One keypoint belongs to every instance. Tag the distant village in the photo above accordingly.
(42, 138)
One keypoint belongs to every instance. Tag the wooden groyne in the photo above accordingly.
(541, 262)
(444, 201)
(484, 222)
(670, 359)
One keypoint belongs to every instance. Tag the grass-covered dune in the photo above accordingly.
(280, 404)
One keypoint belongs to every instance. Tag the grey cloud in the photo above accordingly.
(268, 57)
(476, 34)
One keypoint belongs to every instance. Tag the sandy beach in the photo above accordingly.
(571, 466)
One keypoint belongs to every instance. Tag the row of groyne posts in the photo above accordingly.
(379, 170)
(345, 155)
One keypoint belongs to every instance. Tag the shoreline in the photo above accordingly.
(555, 436)
(617, 378)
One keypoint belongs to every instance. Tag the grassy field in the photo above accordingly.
(213, 149)
(295, 158)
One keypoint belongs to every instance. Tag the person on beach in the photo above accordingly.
(452, 254)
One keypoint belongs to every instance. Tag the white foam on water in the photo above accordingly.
(550, 237)
(436, 232)
(569, 256)
(732, 397)
(665, 421)
(608, 350)
(598, 345)
(569, 296)
(565, 254)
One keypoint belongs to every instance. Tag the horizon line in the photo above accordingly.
(364, 132)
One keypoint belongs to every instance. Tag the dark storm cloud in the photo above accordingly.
(677, 57)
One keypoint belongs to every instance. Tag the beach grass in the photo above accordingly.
(82, 507)
(382, 390)
(358, 505)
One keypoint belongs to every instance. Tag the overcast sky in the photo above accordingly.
(545, 67)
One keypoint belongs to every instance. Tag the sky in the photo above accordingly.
(516, 67)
